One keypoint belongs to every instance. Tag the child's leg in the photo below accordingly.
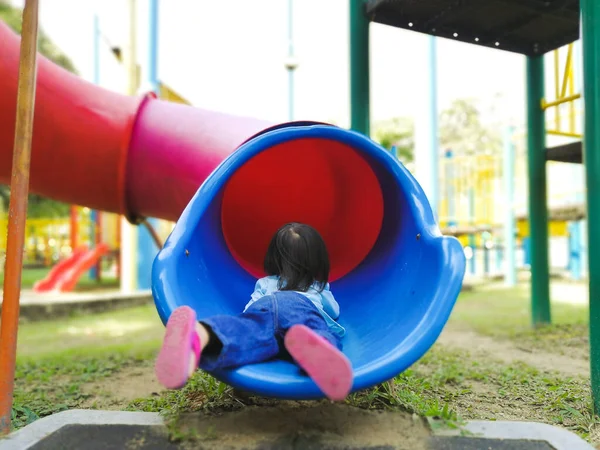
(215, 343)
(311, 344)
(325, 364)
(245, 339)
(181, 349)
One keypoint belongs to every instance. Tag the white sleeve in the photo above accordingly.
(259, 292)
(330, 305)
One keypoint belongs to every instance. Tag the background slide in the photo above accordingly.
(49, 283)
(65, 275)
(395, 276)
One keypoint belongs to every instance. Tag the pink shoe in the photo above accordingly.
(326, 365)
(180, 343)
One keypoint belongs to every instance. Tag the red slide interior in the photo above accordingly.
(330, 187)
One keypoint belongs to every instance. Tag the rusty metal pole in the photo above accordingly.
(17, 210)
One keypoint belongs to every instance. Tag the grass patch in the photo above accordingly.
(134, 326)
(506, 314)
(60, 360)
(487, 389)
(57, 358)
(28, 277)
(52, 384)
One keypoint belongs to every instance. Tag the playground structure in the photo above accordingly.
(532, 29)
(48, 241)
(472, 195)
(58, 243)
(129, 196)
(474, 188)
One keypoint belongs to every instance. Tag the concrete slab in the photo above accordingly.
(95, 430)
(28, 436)
(140, 437)
(103, 437)
(558, 438)
(470, 443)
(43, 306)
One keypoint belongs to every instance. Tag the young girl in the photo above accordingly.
(291, 311)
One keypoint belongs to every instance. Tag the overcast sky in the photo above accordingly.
(229, 56)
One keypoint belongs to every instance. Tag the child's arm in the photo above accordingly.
(260, 290)
(330, 305)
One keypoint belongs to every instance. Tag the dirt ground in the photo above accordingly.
(127, 385)
(329, 425)
(322, 423)
(573, 364)
(483, 401)
(139, 382)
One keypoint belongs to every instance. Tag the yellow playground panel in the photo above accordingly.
(563, 106)
(472, 197)
(471, 188)
(48, 240)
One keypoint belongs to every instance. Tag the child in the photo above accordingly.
(291, 309)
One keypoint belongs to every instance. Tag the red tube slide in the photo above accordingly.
(143, 157)
(93, 147)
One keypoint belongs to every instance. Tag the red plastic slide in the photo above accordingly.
(65, 275)
(48, 283)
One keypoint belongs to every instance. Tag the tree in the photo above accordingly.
(462, 130)
(398, 132)
(38, 206)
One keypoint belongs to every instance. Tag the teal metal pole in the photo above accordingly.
(472, 241)
(450, 197)
(434, 154)
(359, 68)
(147, 250)
(590, 16)
(510, 271)
(574, 242)
(498, 248)
(291, 65)
(538, 213)
(94, 215)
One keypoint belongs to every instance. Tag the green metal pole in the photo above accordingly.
(590, 13)
(359, 68)
(538, 213)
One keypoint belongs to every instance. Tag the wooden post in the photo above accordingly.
(17, 210)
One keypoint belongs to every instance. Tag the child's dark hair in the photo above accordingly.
(298, 256)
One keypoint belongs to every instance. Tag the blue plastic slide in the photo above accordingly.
(393, 273)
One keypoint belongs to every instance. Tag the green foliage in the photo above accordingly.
(52, 384)
(12, 17)
(4, 197)
(38, 206)
(462, 130)
(399, 132)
